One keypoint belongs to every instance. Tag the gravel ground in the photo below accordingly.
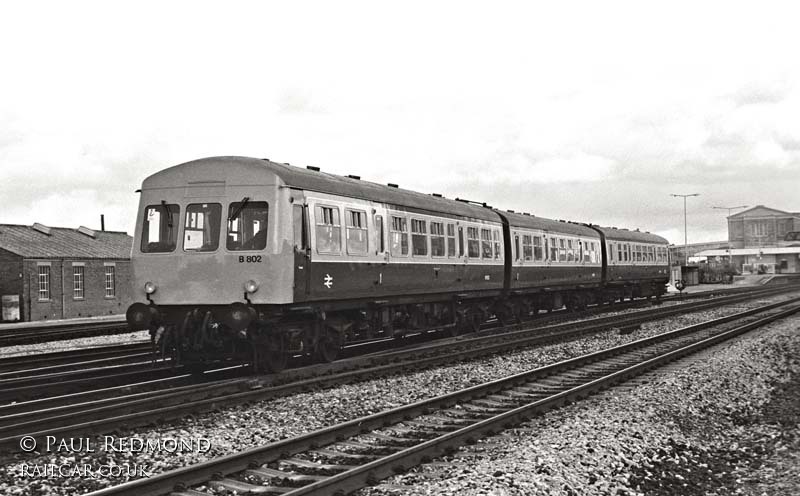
(74, 344)
(245, 426)
(725, 424)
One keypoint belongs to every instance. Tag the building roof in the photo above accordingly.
(762, 211)
(40, 241)
(787, 250)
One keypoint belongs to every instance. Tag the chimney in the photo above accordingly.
(102, 222)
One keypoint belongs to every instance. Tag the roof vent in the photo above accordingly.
(41, 228)
(353, 176)
(510, 211)
(265, 159)
(311, 167)
(87, 232)
(437, 195)
(392, 185)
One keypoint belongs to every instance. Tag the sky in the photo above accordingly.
(586, 111)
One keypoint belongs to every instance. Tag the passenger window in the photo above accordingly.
(473, 243)
(437, 239)
(553, 249)
(527, 247)
(460, 241)
(451, 240)
(328, 230)
(562, 250)
(486, 243)
(356, 232)
(496, 237)
(419, 238)
(398, 237)
(160, 228)
(538, 254)
(247, 225)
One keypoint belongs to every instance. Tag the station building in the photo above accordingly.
(761, 240)
(62, 273)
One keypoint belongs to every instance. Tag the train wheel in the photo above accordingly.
(328, 347)
(271, 355)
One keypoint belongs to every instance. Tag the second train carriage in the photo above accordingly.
(247, 259)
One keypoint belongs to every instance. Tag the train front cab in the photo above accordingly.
(210, 246)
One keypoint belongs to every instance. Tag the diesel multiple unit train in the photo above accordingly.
(243, 259)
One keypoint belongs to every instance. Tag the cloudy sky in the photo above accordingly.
(592, 111)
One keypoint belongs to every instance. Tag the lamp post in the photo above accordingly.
(729, 209)
(685, 236)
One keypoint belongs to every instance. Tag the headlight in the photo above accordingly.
(251, 286)
(150, 287)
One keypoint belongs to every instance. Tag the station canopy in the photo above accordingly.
(784, 250)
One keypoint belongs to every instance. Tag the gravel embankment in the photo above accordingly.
(728, 423)
(74, 344)
(244, 426)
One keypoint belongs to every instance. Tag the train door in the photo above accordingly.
(302, 252)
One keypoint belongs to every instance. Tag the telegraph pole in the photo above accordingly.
(685, 236)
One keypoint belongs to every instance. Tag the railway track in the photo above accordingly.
(360, 452)
(33, 334)
(41, 363)
(100, 411)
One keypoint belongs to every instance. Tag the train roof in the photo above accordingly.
(549, 225)
(615, 234)
(251, 171)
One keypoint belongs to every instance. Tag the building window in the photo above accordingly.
(111, 291)
(398, 237)
(356, 232)
(44, 282)
(437, 239)
(759, 228)
(419, 237)
(328, 230)
(77, 282)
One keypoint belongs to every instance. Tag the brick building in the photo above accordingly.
(61, 273)
(762, 240)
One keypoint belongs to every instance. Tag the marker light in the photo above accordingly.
(251, 286)
(150, 287)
